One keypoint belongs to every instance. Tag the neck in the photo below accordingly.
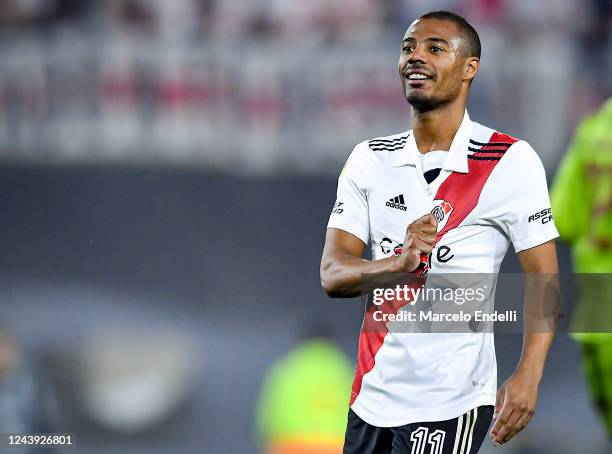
(436, 129)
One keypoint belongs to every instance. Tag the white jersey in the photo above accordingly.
(491, 192)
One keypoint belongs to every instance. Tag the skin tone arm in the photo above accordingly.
(517, 397)
(342, 264)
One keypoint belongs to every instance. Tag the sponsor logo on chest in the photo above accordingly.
(397, 203)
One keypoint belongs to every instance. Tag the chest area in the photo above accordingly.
(466, 238)
(400, 198)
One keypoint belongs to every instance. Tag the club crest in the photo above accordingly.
(442, 212)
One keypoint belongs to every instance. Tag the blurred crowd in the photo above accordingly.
(274, 84)
(316, 22)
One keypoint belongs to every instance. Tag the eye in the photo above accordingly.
(436, 49)
(407, 49)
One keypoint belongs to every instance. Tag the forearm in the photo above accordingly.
(541, 307)
(341, 275)
(535, 351)
(517, 397)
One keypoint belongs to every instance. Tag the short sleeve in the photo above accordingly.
(350, 211)
(518, 194)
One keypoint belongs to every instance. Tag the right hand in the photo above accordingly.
(420, 240)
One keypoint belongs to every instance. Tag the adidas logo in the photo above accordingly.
(397, 202)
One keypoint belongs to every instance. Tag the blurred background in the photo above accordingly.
(167, 170)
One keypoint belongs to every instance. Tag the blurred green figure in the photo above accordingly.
(303, 406)
(582, 207)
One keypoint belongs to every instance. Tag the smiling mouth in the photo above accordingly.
(418, 83)
(418, 77)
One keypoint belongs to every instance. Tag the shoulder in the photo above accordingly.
(377, 150)
(596, 126)
(388, 143)
(383, 145)
(512, 152)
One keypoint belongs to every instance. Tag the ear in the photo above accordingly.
(472, 65)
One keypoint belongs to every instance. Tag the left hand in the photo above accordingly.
(515, 406)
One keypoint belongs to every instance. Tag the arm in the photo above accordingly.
(517, 397)
(342, 264)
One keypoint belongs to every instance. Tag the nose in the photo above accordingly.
(417, 55)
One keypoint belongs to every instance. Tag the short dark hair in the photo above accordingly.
(470, 35)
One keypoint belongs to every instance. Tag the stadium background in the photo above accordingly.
(167, 172)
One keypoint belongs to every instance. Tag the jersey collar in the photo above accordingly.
(457, 160)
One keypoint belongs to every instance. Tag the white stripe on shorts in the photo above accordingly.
(469, 446)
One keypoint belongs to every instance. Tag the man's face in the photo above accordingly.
(432, 63)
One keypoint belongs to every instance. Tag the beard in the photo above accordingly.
(425, 103)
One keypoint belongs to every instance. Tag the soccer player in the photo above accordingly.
(582, 203)
(459, 192)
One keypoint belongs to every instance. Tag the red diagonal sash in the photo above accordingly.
(462, 191)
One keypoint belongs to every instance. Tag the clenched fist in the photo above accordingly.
(420, 240)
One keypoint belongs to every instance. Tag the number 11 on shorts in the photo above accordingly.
(421, 438)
